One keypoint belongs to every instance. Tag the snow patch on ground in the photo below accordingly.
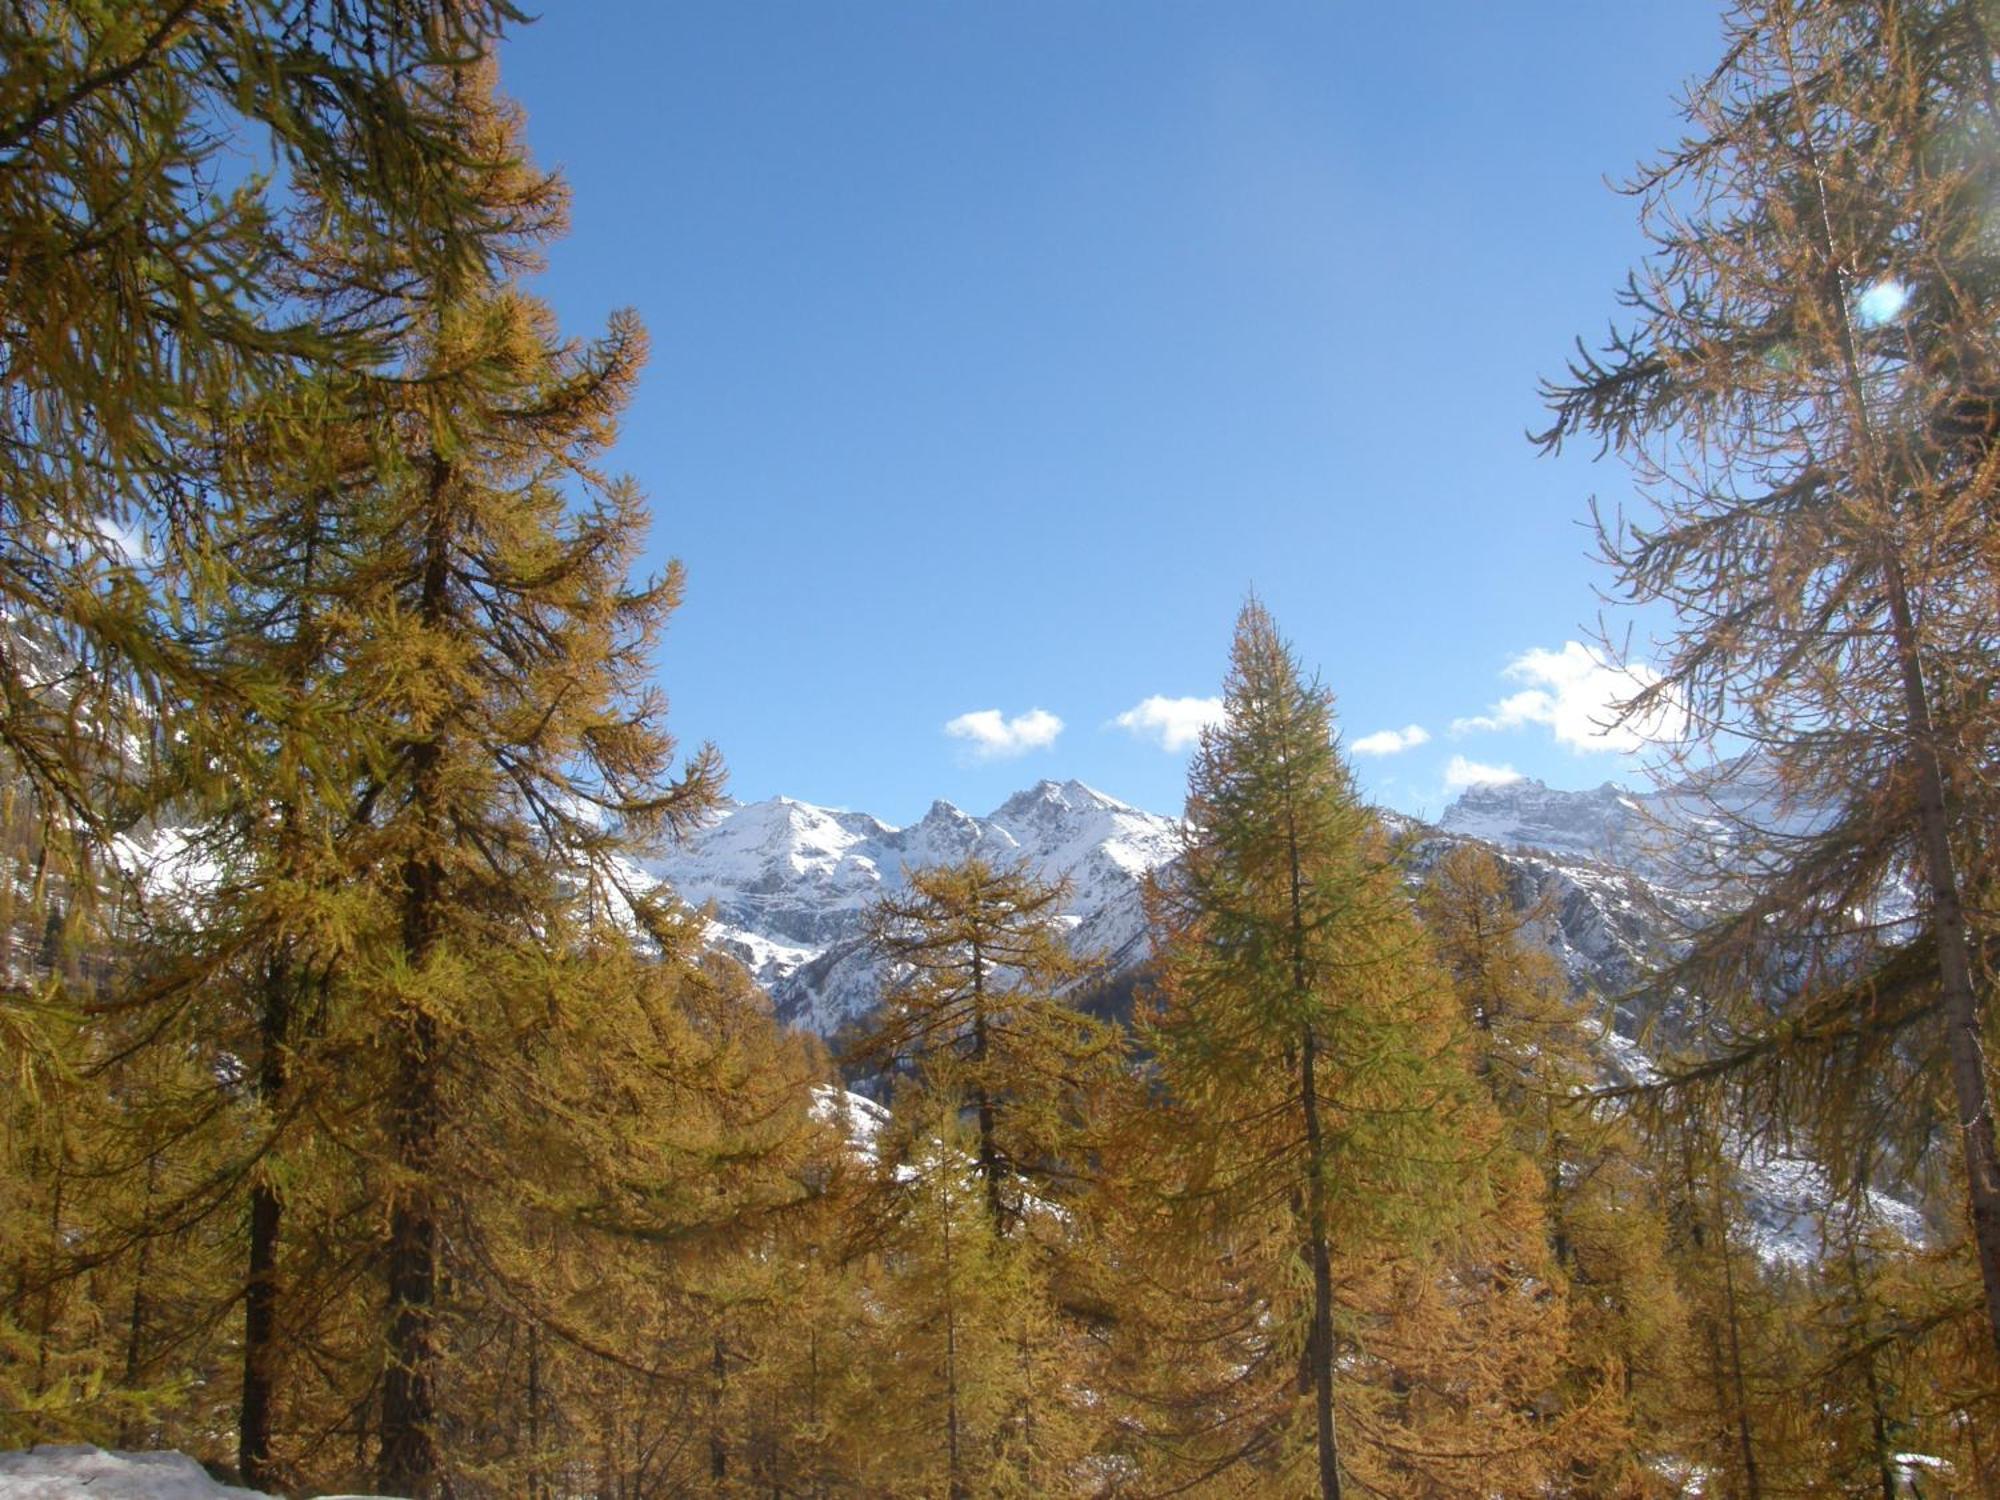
(51, 1472)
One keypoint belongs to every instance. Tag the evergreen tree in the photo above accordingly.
(1807, 389)
(419, 925)
(508, 660)
(148, 298)
(1529, 1045)
(999, 1069)
(979, 963)
(970, 1368)
(143, 294)
(412, 1072)
(1301, 1029)
(1738, 1414)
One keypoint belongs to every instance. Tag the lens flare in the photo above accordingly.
(1881, 303)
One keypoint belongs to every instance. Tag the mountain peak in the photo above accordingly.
(1070, 796)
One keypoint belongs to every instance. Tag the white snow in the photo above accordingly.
(859, 1118)
(51, 1472)
(171, 863)
(789, 883)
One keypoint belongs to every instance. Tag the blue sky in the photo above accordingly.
(999, 348)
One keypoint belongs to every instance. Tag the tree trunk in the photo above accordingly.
(989, 1149)
(718, 1445)
(129, 1435)
(1322, 1273)
(954, 1455)
(409, 1457)
(260, 1289)
(1739, 1387)
(1963, 1013)
(1320, 1343)
(1964, 1031)
(537, 1488)
(408, 1464)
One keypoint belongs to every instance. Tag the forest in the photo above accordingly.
(367, 1126)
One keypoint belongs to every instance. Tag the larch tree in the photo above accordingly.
(509, 658)
(994, 1069)
(472, 1130)
(475, 639)
(975, 1009)
(148, 283)
(151, 287)
(1808, 386)
(1302, 1031)
(1529, 1045)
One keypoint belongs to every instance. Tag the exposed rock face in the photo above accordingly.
(788, 883)
(1626, 877)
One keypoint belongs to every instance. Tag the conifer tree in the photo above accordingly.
(1806, 386)
(142, 296)
(1737, 1413)
(145, 303)
(975, 1009)
(995, 1063)
(452, 738)
(419, 989)
(1528, 1036)
(508, 659)
(1301, 1027)
(961, 1302)
(1529, 1046)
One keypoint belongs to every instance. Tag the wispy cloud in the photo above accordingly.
(1462, 773)
(991, 735)
(1574, 693)
(1171, 723)
(1391, 741)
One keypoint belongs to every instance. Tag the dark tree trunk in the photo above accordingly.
(260, 1290)
(1963, 1013)
(408, 1464)
(1321, 1345)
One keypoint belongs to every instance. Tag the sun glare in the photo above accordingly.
(1882, 302)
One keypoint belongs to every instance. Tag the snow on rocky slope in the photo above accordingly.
(1625, 875)
(789, 883)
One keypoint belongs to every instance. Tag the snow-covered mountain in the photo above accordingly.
(1679, 838)
(788, 883)
(1625, 875)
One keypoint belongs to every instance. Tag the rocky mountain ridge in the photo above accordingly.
(787, 883)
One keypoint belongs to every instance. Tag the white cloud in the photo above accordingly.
(1462, 773)
(994, 736)
(1172, 723)
(1574, 693)
(1391, 741)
